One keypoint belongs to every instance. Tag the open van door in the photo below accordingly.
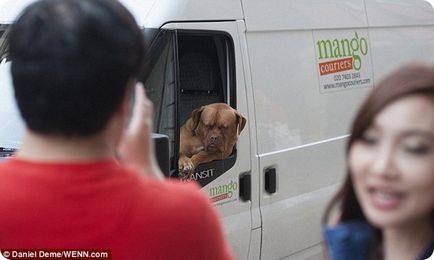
(200, 63)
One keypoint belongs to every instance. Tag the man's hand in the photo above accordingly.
(136, 148)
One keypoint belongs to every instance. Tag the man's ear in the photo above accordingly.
(125, 108)
(128, 100)
(195, 117)
(241, 122)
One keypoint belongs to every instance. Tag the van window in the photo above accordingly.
(3, 43)
(190, 69)
(160, 86)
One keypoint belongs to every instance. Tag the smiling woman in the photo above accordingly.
(385, 208)
(393, 163)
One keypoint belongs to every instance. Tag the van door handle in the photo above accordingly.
(270, 180)
(245, 186)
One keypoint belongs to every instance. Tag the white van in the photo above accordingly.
(297, 70)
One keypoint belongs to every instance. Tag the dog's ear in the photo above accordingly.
(195, 117)
(241, 122)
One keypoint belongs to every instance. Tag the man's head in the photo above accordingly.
(72, 61)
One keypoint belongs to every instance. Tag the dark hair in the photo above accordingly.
(71, 64)
(412, 79)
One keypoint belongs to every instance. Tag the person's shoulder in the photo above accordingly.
(177, 191)
(7, 168)
(349, 239)
(177, 186)
(186, 199)
(5, 163)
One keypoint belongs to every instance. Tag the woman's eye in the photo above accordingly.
(369, 139)
(418, 149)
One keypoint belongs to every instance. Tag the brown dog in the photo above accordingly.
(209, 134)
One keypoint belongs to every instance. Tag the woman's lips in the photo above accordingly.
(385, 199)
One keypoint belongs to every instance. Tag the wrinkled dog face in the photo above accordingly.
(218, 129)
(209, 134)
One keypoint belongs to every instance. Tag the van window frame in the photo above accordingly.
(4, 46)
(227, 49)
(202, 170)
(230, 55)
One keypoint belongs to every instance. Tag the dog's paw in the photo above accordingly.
(185, 168)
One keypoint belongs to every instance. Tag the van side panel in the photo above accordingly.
(291, 111)
(306, 180)
(399, 13)
(274, 15)
(400, 31)
(301, 127)
(155, 13)
(10, 9)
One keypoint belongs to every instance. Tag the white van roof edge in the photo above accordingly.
(162, 10)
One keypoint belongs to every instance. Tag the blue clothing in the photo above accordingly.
(354, 240)
(351, 240)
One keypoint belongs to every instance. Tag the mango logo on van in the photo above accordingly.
(346, 53)
(222, 192)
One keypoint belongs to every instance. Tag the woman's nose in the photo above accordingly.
(383, 163)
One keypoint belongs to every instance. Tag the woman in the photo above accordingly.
(385, 208)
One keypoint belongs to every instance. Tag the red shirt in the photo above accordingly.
(101, 205)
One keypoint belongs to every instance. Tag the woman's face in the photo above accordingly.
(392, 165)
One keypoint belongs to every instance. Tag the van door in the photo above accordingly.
(207, 68)
(303, 111)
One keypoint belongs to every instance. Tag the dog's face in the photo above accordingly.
(218, 126)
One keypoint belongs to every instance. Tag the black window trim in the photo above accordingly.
(231, 85)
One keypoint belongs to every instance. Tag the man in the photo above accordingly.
(74, 65)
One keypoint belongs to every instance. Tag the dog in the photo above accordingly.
(209, 134)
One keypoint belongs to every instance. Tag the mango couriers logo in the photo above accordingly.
(345, 52)
(222, 192)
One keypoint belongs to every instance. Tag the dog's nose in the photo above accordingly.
(213, 138)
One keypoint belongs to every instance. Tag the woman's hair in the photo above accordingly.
(412, 79)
